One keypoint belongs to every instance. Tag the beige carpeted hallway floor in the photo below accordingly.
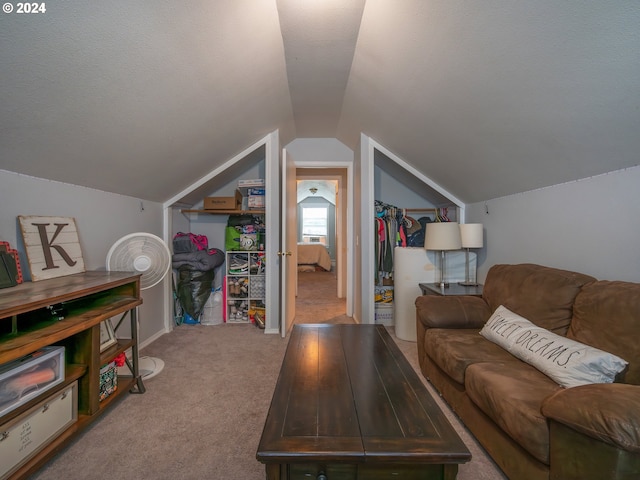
(317, 300)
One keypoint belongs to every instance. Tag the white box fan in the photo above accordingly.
(149, 256)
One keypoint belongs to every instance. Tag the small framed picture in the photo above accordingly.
(107, 335)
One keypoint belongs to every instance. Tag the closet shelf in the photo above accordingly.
(429, 210)
(226, 212)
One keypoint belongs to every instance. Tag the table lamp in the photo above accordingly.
(442, 236)
(471, 235)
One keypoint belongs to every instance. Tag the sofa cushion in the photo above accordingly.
(607, 315)
(544, 295)
(454, 350)
(566, 361)
(511, 393)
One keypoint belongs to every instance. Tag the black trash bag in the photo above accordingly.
(193, 290)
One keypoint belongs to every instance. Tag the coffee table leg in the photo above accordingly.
(450, 471)
(273, 471)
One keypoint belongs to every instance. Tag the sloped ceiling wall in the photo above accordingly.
(490, 98)
(486, 97)
(139, 98)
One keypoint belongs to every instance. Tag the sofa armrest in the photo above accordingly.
(609, 412)
(463, 311)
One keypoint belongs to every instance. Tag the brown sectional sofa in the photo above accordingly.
(532, 427)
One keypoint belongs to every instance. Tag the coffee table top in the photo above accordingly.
(347, 394)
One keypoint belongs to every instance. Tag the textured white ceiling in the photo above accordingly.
(319, 42)
(139, 98)
(486, 97)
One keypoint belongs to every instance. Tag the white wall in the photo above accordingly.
(101, 219)
(590, 226)
(389, 190)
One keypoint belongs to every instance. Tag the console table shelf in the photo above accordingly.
(82, 301)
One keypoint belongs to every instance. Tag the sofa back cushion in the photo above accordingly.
(566, 361)
(606, 315)
(544, 295)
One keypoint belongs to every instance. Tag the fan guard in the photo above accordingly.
(149, 256)
(143, 253)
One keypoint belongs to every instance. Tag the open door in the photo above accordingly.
(288, 251)
(272, 245)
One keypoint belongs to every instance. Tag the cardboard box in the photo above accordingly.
(247, 191)
(384, 314)
(108, 379)
(256, 201)
(383, 294)
(223, 203)
(255, 182)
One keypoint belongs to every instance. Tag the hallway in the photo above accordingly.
(317, 301)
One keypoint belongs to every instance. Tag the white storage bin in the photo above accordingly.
(212, 313)
(384, 314)
(26, 435)
(29, 376)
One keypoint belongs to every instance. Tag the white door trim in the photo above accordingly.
(348, 261)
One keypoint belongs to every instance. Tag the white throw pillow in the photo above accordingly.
(566, 361)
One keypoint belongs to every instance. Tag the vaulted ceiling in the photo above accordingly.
(485, 97)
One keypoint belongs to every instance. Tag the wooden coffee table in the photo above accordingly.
(347, 405)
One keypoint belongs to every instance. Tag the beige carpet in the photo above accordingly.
(202, 416)
(317, 300)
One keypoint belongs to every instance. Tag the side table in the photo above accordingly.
(452, 289)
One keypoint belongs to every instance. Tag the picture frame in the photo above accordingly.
(52, 246)
(107, 335)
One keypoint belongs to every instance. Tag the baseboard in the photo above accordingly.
(151, 339)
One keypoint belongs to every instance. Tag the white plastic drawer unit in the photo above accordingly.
(30, 376)
(26, 435)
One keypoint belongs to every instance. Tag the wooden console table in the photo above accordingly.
(26, 327)
(348, 405)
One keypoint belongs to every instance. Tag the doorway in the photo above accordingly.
(321, 231)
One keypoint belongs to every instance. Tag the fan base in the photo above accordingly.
(148, 367)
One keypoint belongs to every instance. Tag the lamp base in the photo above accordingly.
(468, 284)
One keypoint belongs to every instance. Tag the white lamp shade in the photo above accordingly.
(471, 234)
(442, 236)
